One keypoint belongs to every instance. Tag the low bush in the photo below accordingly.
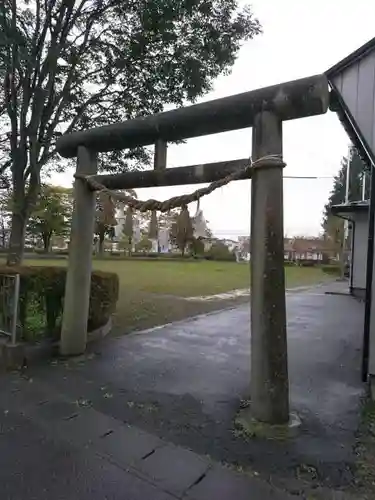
(308, 263)
(143, 256)
(42, 297)
(27, 249)
(48, 256)
(60, 251)
(220, 252)
(334, 269)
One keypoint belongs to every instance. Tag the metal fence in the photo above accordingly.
(9, 301)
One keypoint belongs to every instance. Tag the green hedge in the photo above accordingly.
(289, 263)
(334, 269)
(220, 252)
(42, 296)
(308, 263)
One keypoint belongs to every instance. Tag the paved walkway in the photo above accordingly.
(182, 385)
(52, 447)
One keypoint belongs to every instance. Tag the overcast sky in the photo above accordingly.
(300, 39)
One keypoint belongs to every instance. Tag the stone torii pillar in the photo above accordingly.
(269, 363)
(78, 279)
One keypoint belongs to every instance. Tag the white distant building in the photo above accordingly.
(232, 245)
(120, 219)
(244, 248)
(163, 240)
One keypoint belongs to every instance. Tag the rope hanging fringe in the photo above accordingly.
(185, 199)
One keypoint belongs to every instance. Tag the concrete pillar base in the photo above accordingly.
(248, 426)
(12, 357)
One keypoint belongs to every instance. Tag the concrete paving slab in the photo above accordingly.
(175, 469)
(127, 446)
(222, 484)
(52, 410)
(184, 383)
(70, 467)
(34, 467)
(85, 426)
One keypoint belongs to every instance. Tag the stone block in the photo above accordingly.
(174, 469)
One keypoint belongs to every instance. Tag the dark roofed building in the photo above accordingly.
(300, 249)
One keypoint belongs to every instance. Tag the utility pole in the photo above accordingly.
(346, 222)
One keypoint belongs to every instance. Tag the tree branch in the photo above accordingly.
(44, 133)
(11, 81)
(48, 8)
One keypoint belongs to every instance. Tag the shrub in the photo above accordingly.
(49, 255)
(308, 263)
(334, 269)
(42, 296)
(220, 252)
(144, 256)
(60, 251)
(197, 247)
(40, 250)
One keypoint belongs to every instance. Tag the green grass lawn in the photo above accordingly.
(188, 279)
(152, 292)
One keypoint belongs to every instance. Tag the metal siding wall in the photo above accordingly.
(360, 250)
(372, 327)
(357, 87)
(338, 82)
(350, 87)
(365, 101)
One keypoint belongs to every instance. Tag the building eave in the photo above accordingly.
(351, 58)
(350, 208)
(338, 105)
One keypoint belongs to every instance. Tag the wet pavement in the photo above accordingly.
(52, 447)
(183, 384)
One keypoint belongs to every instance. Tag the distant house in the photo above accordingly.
(288, 249)
(244, 248)
(230, 244)
(59, 243)
(295, 249)
(307, 249)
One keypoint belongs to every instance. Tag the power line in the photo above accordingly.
(308, 177)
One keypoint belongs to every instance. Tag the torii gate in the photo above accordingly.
(264, 110)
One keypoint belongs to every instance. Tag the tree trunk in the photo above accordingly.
(46, 241)
(22, 204)
(101, 243)
(17, 239)
(3, 234)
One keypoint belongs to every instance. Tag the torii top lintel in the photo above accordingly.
(290, 100)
